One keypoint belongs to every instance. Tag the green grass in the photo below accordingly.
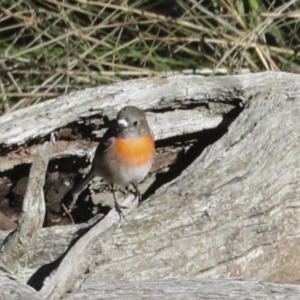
(51, 47)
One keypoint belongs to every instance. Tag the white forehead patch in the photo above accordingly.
(123, 122)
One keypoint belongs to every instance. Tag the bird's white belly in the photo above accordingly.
(133, 175)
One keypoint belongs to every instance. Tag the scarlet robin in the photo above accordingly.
(125, 154)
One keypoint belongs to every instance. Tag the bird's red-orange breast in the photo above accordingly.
(135, 152)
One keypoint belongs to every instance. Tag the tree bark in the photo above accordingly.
(227, 208)
(33, 212)
(12, 289)
(201, 289)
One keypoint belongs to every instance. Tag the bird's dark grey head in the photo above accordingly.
(132, 122)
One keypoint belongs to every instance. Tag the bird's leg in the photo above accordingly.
(137, 194)
(117, 205)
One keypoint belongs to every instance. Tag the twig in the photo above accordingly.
(31, 220)
(68, 213)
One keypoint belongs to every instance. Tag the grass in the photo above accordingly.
(52, 47)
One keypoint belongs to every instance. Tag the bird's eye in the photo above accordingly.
(135, 123)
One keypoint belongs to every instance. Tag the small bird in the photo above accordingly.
(125, 154)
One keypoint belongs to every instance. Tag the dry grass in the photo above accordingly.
(52, 47)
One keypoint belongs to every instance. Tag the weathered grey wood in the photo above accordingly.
(201, 289)
(77, 261)
(152, 94)
(233, 212)
(49, 245)
(146, 93)
(33, 212)
(182, 122)
(12, 289)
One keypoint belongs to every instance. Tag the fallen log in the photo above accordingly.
(227, 207)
